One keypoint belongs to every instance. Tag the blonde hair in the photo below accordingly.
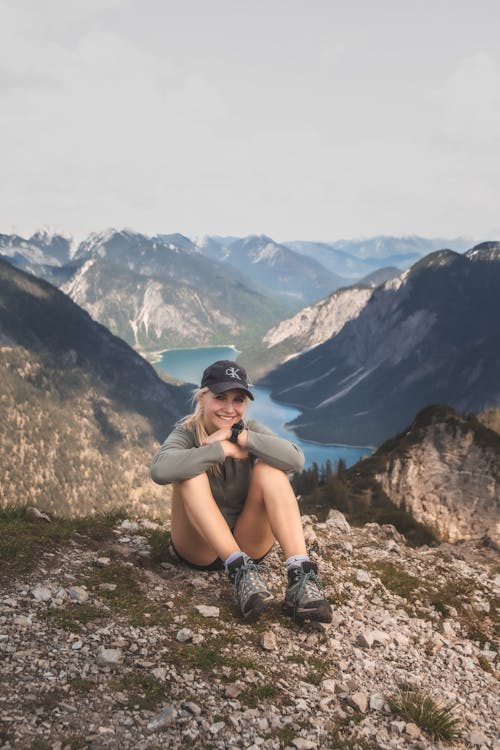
(195, 422)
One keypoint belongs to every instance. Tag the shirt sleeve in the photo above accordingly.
(278, 452)
(179, 458)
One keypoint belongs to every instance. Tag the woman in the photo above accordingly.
(232, 498)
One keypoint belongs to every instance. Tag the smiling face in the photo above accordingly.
(222, 409)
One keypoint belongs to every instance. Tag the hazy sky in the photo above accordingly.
(301, 119)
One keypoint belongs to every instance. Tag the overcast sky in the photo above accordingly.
(301, 119)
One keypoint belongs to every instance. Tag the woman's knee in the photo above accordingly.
(262, 472)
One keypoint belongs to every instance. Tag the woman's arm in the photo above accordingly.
(262, 443)
(179, 458)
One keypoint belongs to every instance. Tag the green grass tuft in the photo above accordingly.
(438, 720)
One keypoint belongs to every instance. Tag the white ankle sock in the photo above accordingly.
(232, 557)
(295, 561)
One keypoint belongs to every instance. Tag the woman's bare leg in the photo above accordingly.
(271, 512)
(199, 531)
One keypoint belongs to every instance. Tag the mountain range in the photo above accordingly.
(81, 411)
(430, 336)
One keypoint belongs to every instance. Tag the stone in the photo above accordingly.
(103, 562)
(327, 686)
(363, 577)
(33, 514)
(184, 634)
(358, 701)
(216, 727)
(397, 727)
(268, 641)
(477, 738)
(159, 673)
(78, 594)
(377, 702)
(41, 593)
(412, 730)
(207, 611)
(23, 621)
(162, 720)
(337, 521)
(109, 657)
(234, 689)
(300, 743)
(193, 708)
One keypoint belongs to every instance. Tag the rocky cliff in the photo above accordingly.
(445, 471)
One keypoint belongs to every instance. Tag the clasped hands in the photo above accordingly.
(231, 450)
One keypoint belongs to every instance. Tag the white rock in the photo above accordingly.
(78, 594)
(103, 562)
(162, 720)
(217, 727)
(377, 702)
(76, 646)
(412, 730)
(22, 621)
(207, 611)
(477, 738)
(160, 673)
(109, 657)
(328, 686)
(33, 514)
(363, 577)
(336, 520)
(41, 593)
(358, 701)
(184, 634)
(397, 727)
(268, 641)
(302, 744)
(234, 689)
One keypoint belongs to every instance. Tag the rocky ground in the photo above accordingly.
(104, 643)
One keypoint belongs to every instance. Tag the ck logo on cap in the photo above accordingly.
(233, 372)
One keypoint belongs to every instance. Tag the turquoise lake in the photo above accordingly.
(188, 365)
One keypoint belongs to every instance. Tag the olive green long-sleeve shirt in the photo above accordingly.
(180, 458)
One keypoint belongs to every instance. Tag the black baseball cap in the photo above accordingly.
(225, 375)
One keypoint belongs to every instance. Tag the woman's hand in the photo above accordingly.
(233, 450)
(222, 434)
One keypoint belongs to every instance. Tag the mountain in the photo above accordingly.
(306, 329)
(355, 259)
(81, 412)
(380, 276)
(430, 336)
(160, 293)
(154, 292)
(444, 469)
(294, 279)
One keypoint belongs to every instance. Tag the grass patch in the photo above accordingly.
(144, 692)
(255, 694)
(73, 617)
(206, 656)
(437, 720)
(128, 598)
(318, 670)
(23, 541)
(395, 579)
(81, 685)
(159, 542)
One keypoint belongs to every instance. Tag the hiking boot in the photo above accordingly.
(305, 598)
(250, 591)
